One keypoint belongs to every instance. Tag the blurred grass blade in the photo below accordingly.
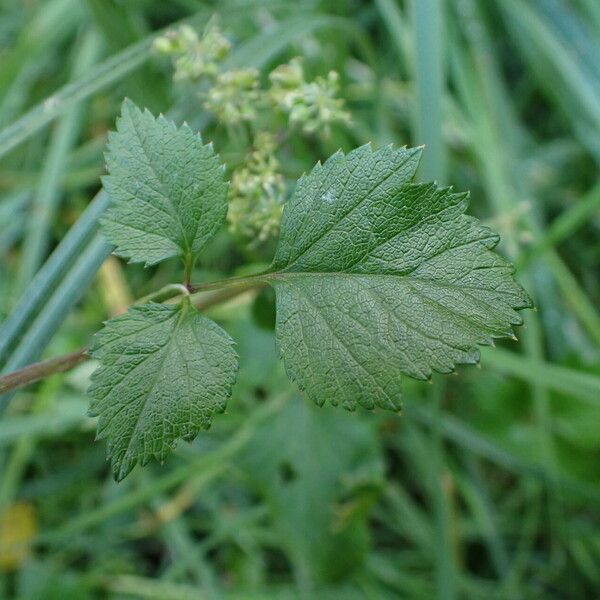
(398, 29)
(96, 79)
(262, 48)
(62, 416)
(575, 297)
(483, 93)
(445, 550)
(71, 289)
(102, 76)
(559, 69)
(567, 25)
(474, 491)
(63, 138)
(592, 8)
(52, 22)
(146, 588)
(50, 274)
(481, 445)
(12, 222)
(576, 384)
(211, 464)
(429, 79)
(564, 226)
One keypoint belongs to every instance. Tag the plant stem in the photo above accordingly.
(39, 370)
(187, 271)
(250, 281)
(167, 292)
(174, 290)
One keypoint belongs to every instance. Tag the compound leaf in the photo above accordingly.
(377, 276)
(167, 189)
(164, 371)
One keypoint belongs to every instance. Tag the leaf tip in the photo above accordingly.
(127, 104)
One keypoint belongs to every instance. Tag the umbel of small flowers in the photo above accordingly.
(193, 56)
(257, 189)
(257, 192)
(313, 105)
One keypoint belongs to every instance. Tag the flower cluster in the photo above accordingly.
(256, 193)
(193, 57)
(314, 105)
(234, 96)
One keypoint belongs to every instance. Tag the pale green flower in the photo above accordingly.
(285, 79)
(312, 105)
(256, 194)
(234, 96)
(193, 57)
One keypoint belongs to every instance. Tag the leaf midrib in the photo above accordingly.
(162, 191)
(164, 350)
(347, 213)
(290, 275)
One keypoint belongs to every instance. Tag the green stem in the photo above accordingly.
(188, 270)
(174, 290)
(220, 292)
(250, 281)
(167, 292)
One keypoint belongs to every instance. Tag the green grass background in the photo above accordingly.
(487, 486)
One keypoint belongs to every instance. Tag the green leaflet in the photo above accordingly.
(164, 371)
(167, 189)
(377, 276)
